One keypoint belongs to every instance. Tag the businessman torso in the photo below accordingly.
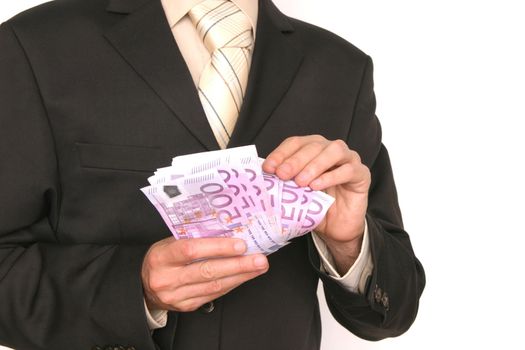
(116, 101)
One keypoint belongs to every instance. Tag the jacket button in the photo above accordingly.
(384, 301)
(378, 294)
(208, 307)
(96, 347)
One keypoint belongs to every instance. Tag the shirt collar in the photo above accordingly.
(176, 9)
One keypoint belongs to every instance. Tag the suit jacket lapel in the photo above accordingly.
(143, 38)
(276, 59)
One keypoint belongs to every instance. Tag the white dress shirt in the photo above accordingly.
(196, 57)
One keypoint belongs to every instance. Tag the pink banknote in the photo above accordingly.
(226, 194)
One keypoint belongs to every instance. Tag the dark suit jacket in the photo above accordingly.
(94, 96)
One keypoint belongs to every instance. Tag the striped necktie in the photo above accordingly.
(227, 34)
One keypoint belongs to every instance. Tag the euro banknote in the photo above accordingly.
(225, 193)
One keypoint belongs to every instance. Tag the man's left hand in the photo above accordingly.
(332, 167)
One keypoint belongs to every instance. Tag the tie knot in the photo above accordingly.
(220, 23)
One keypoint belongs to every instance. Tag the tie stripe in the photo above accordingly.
(223, 18)
(214, 16)
(229, 87)
(217, 124)
(241, 39)
(231, 62)
(203, 16)
(227, 34)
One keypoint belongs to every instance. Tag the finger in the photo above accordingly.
(355, 177)
(191, 305)
(181, 252)
(334, 154)
(288, 147)
(295, 163)
(212, 289)
(213, 269)
(167, 301)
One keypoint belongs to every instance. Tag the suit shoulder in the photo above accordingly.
(53, 14)
(325, 42)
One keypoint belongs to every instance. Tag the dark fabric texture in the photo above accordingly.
(94, 96)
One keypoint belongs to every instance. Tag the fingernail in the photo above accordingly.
(260, 261)
(239, 246)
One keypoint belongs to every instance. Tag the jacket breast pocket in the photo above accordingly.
(120, 157)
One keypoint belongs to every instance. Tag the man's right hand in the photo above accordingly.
(182, 275)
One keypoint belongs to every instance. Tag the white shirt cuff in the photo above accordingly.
(355, 279)
(156, 318)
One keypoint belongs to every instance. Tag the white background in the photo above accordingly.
(450, 79)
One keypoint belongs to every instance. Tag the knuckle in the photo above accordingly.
(187, 306)
(340, 145)
(158, 253)
(207, 271)
(321, 139)
(187, 250)
(214, 287)
(154, 258)
(167, 299)
(156, 284)
(293, 141)
(355, 156)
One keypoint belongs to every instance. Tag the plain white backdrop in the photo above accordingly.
(450, 85)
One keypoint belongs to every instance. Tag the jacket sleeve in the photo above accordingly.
(54, 294)
(390, 302)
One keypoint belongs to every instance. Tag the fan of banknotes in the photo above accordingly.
(226, 194)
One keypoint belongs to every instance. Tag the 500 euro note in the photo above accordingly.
(226, 194)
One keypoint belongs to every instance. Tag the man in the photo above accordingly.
(95, 95)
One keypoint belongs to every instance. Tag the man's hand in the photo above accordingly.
(183, 275)
(330, 166)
